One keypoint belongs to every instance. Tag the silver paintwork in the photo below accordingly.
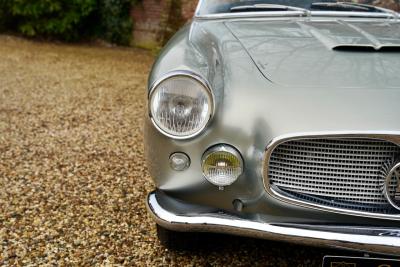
(298, 53)
(368, 239)
(191, 75)
(251, 110)
(273, 79)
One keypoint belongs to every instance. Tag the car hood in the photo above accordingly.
(329, 91)
(334, 53)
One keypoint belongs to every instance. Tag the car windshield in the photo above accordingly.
(208, 7)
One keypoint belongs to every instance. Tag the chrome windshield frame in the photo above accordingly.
(270, 14)
(388, 15)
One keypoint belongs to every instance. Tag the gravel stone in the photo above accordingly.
(72, 174)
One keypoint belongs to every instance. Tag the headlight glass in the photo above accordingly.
(181, 105)
(222, 165)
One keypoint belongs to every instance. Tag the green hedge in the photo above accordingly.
(69, 20)
(115, 21)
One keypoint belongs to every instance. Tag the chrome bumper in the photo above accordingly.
(366, 239)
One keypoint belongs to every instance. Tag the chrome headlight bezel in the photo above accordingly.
(190, 75)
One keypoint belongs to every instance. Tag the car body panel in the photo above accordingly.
(295, 53)
(255, 106)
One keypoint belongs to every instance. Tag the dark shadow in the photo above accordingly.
(368, 49)
(260, 252)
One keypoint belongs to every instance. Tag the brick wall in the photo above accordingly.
(188, 8)
(155, 21)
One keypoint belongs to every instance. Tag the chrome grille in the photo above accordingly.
(341, 173)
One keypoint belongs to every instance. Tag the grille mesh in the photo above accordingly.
(341, 173)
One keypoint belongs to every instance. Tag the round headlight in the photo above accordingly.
(181, 105)
(222, 165)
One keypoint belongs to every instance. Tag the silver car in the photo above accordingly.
(279, 119)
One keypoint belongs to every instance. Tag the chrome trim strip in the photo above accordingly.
(367, 239)
(390, 136)
(296, 14)
(197, 11)
(253, 15)
(191, 75)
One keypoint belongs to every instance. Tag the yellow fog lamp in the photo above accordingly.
(222, 165)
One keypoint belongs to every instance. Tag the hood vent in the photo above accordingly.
(366, 48)
(355, 36)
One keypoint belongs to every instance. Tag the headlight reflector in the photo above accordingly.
(222, 165)
(181, 105)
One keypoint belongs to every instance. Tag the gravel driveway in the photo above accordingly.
(72, 174)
